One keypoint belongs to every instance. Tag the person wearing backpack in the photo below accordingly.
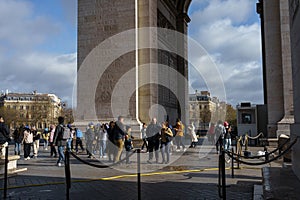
(60, 139)
(219, 133)
(166, 135)
(4, 135)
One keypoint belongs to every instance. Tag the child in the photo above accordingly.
(128, 143)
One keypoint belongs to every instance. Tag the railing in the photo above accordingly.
(68, 171)
(236, 157)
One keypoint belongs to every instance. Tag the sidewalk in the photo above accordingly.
(192, 176)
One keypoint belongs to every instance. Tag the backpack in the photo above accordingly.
(66, 133)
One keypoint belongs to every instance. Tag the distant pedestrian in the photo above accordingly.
(18, 138)
(119, 136)
(45, 137)
(60, 139)
(102, 141)
(166, 137)
(4, 136)
(153, 135)
(211, 134)
(27, 142)
(194, 139)
(90, 139)
(36, 141)
(128, 143)
(111, 148)
(144, 136)
(51, 141)
(227, 136)
(179, 135)
(219, 134)
(79, 136)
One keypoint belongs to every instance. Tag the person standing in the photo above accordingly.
(18, 138)
(166, 138)
(79, 136)
(102, 141)
(111, 148)
(4, 135)
(219, 133)
(51, 141)
(59, 139)
(119, 136)
(144, 136)
(194, 139)
(227, 136)
(45, 137)
(128, 143)
(90, 139)
(179, 135)
(27, 142)
(153, 135)
(211, 134)
(36, 141)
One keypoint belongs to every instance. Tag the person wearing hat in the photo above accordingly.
(227, 136)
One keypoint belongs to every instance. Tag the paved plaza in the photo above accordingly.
(192, 174)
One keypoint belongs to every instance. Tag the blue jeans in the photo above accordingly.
(61, 155)
(102, 148)
(17, 148)
(227, 144)
(165, 148)
(69, 141)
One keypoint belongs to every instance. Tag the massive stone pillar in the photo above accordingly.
(295, 47)
(278, 67)
(288, 118)
(117, 55)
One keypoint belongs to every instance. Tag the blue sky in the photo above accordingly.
(38, 45)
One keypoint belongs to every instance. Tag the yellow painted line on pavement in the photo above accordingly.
(116, 177)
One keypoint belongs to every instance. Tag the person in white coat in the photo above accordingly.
(193, 136)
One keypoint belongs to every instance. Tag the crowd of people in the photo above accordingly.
(109, 140)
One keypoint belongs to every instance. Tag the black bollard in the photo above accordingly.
(67, 174)
(5, 172)
(223, 176)
(139, 173)
(232, 164)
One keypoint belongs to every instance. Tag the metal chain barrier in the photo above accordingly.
(256, 157)
(102, 166)
(68, 171)
(265, 162)
(256, 137)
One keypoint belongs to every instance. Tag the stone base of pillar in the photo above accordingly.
(284, 126)
(295, 132)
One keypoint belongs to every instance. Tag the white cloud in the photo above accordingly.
(223, 29)
(24, 62)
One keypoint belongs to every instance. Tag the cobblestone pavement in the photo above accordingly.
(192, 174)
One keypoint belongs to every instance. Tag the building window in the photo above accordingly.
(15, 107)
(8, 106)
(27, 107)
(21, 107)
(246, 118)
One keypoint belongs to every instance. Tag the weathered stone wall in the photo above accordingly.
(295, 47)
(273, 65)
(99, 20)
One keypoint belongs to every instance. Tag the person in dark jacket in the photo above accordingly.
(153, 135)
(18, 138)
(4, 135)
(119, 136)
(59, 140)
